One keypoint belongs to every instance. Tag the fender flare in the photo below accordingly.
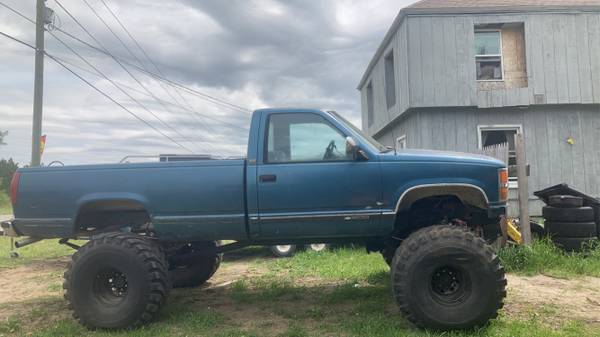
(467, 193)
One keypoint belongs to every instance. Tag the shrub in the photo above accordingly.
(7, 169)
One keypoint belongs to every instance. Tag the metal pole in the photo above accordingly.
(523, 188)
(38, 87)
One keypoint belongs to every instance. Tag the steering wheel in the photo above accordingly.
(329, 151)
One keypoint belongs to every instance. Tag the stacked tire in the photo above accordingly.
(572, 226)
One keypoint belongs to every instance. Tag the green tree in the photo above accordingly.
(7, 169)
(2, 135)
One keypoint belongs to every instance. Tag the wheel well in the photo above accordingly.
(467, 194)
(439, 209)
(100, 215)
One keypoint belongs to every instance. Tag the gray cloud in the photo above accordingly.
(252, 53)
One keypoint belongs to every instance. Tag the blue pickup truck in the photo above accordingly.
(309, 177)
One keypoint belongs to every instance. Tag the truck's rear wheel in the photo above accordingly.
(445, 277)
(116, 281)
(195, 270)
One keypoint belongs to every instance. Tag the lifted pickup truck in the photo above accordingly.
(309, 177)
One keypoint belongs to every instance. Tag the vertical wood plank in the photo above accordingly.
(451, 65)
(560, 56)
(415, 67)
(549, 59)
(523, 188)
(427, 50)
(594, 43)
(584, 62)
(573, 59)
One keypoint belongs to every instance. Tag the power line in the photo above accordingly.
(99, 17)
(118, 61)
(99, 91)
(117, 103)
(121, 84)
(217, 101)
(151, 61)
(214, 100)
(17, 40)
(73, 64)
(121, 89)
(17, 12)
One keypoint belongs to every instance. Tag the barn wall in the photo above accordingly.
(383, 115)
(546, 129)
(435, 63)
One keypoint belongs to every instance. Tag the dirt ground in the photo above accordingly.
(552, 300)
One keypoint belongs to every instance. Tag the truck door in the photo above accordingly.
(309, 186)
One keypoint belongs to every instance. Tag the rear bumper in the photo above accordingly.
(8, 229)
(43, 228)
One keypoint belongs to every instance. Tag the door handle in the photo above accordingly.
(267, 178)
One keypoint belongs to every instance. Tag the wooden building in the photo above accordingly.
(461, 74)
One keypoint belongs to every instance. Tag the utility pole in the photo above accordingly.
(38, 87)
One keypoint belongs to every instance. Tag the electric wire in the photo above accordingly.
(138, 45)
(214, 100)
(119, 104)
(99, 91)
(73, 64)
(121, 89)
(201, 123)
(17, 40)
(99, 17)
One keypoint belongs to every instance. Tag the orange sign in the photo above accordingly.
(42, 144)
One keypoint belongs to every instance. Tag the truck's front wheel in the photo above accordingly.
(445, 277)
(116, 281)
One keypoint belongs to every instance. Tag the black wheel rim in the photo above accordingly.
(449, 285)
(110, 286)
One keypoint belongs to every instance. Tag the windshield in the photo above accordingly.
(364, 136)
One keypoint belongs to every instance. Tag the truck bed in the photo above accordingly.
(202, 198)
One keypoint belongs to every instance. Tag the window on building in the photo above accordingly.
(304, 138)
(370, 105)
(401, 142)
(494, 135)
(390, 80)
(488, 55)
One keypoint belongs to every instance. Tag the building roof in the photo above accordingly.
(437, 7)
(440, 4)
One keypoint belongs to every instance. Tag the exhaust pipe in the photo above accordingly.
(27, 242)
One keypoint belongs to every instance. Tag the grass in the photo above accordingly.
(543, 257)
(350, 296)
(357, 266)
(40, 251)
(5, 206)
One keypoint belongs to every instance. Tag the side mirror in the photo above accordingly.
(354, 150)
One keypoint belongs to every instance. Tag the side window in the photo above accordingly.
(304, 137)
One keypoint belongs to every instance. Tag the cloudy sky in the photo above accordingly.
(251, 53)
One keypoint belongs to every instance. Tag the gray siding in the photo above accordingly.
(436, 66)
(383, 115)
(546, 130)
